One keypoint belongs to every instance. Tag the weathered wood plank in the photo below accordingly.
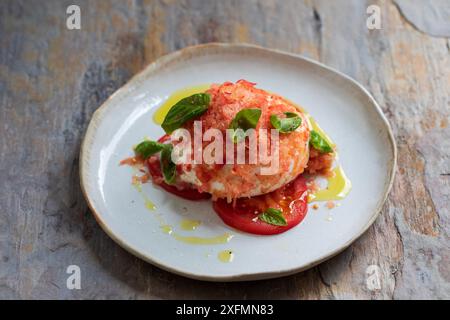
(52, 79)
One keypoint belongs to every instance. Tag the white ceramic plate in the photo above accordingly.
(343, 108)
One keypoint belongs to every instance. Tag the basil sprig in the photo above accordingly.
(185, 110)
(319, 143)
(288, 124)
(244, 119)
(168, 168)
(148, 148)
(273, 216)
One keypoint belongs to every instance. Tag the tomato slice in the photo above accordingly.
(183, 191)
(243, 214)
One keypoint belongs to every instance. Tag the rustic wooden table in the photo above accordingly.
(52, 79)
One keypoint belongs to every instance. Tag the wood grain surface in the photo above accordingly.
(52, 79)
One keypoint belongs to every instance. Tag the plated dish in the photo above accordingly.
(214, 237)
(256, 154)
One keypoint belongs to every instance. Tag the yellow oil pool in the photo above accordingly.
(149, 204)
(166, 229)
(221, 239)
(161, 113)
(338, 186)
(226, 256)
(189, 225)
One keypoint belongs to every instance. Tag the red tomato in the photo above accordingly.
(186, 192)
(243, 215)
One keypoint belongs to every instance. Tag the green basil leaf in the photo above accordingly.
(168, 168)
(319, 143)
(185, 110)
(148, 148)
(273, 216)
(244, 119)
(288, 124)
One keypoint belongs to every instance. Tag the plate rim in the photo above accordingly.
(165, 59)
